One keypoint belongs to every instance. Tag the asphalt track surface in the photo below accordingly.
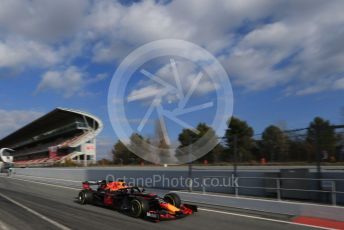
(27, 205)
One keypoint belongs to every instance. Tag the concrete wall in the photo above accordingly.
(269, 206)
(169, 178)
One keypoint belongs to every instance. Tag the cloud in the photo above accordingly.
(17, 53)
(147, 89)
(262, 44)
(292, 51)
(339, 84)
(69, 82)
(11, 120)
(144, 93)
(38, 33)
(42, 21)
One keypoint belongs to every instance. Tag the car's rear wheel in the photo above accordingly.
(138, 207)
(174, 199)
(85, 197)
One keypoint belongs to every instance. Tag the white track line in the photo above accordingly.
(3, 226)
(203, 209)
(31, 181)
(262, 218)
(49, 178)
(53, 222)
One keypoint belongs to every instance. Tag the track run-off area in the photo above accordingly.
(31, 204)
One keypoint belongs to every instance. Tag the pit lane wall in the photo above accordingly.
(252, 183)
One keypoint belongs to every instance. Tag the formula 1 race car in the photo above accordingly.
(134, 201)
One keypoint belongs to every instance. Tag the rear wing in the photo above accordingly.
(92, 182)
(100, 182)
(87, 184)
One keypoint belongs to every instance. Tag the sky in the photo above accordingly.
(285, 59)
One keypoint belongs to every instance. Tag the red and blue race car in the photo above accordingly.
(134, 201)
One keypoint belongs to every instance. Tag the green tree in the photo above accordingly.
(242, 133)
(187, 137)
(214, 155)
(300, 150)
(104, 162)
(141, 146)
(321, 135)
(206, 130)
(122, 155)
(275, 144)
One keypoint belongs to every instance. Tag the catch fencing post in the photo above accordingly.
(236, 188)
(278, 188)
(333, 193)
(203, 186)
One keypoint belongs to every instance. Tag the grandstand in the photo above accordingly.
(61, 135)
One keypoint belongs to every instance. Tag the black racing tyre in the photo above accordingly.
(85, 197)
(174, 199)
(138, 207)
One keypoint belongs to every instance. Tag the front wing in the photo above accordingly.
(160, 215)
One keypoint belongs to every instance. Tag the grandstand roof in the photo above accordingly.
(51, 120)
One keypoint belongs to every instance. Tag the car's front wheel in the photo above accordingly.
(173, 198)
(138, 207)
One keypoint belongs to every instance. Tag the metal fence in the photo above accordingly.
(280, 187)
